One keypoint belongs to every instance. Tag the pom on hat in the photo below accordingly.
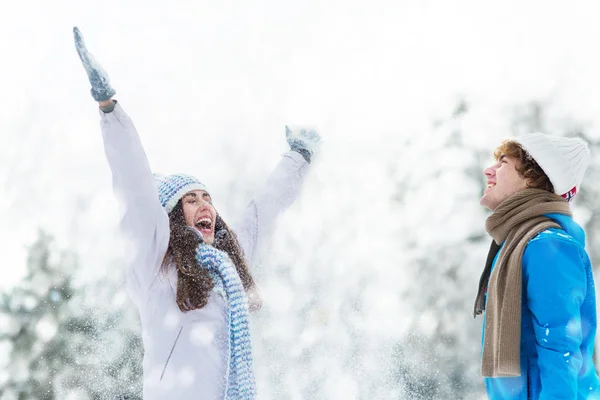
(564, 160)
(173, 187)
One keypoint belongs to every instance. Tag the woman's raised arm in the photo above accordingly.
(144, 222)
(279, 192)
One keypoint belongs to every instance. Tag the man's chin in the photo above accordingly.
(484, 201)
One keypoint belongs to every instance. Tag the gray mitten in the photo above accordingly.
(101, 89)
(304, 140)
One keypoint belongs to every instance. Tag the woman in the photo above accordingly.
(189, 274)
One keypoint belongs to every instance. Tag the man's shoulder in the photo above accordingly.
(551, 243)
(550, 251)
(552, 234)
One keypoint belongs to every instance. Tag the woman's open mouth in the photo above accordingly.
(204, 225)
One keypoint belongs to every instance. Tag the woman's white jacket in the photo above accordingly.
(185, 354)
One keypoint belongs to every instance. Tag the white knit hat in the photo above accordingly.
(564, 160)
(173, 187)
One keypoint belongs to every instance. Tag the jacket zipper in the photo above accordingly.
(170, 354)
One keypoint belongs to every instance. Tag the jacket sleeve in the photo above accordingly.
(555, 281)
(274, 197)
(144, 223)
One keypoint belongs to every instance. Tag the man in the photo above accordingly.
(537, 287)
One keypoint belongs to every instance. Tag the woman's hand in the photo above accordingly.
(102, 92)
(304, 140)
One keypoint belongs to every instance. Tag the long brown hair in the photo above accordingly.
(194, 283)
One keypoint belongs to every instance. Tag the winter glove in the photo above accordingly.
(304, 140)
(101, 89)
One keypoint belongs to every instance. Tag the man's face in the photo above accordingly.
(503, 181)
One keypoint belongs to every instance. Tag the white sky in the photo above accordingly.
(197, 75)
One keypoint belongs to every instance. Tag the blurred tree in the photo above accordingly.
(32, 313)
(60, 347)
(444, 241)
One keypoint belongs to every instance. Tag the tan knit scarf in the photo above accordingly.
(516, 221)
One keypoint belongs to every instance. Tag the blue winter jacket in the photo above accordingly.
(558, 320)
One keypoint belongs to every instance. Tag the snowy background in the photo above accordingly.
(369, 280)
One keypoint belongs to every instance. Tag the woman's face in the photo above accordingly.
(200, 214)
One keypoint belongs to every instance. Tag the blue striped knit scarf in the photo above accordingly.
(240, 376)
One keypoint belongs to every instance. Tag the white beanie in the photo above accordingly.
(564, 160)
(173, 187)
